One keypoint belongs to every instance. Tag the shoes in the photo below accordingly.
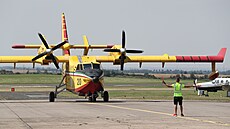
(174, 114)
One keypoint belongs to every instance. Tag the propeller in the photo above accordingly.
(49, 51)
(123, 51)
(194, 83)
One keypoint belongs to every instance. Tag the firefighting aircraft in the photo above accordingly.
(83, 75)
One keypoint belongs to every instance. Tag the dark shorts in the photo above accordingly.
(178, 100)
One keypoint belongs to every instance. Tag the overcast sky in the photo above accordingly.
(175, 27)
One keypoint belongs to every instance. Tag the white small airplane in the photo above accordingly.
(213, 86)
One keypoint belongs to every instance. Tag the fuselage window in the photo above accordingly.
(217, 81)
(213, 82)
(96, 66)
(87, 66)
(222, 81)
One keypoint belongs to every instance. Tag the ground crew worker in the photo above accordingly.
(177, 95)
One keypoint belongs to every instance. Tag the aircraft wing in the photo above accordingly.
(137, 59)
(165, 58)
(16, 59)
(28, 59)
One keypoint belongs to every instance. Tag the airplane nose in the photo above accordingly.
(95, 79)
(95, 74)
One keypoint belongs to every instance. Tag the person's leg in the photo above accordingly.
(181, 110)
(175, 106)
(175, 109)
(181, 106)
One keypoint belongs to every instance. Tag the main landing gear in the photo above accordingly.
(206, 95)
(54, 94)
(104, 95)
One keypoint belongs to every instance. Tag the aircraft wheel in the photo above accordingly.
(90, 99)
(106, 96)
(51, 97)
(94, 98)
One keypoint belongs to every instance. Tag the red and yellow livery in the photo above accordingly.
(83, 75)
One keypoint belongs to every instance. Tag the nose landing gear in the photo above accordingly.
(104, 95)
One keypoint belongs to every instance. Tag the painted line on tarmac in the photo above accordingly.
(162, 113)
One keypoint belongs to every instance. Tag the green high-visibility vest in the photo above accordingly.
(178, 89)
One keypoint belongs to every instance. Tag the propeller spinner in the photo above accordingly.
(123, 51)
(49, 51)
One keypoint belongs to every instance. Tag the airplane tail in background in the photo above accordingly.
(222, 52)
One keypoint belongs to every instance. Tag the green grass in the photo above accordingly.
(152, 91)
(55, 79)
(30, 79)
(135, 80)
(130, 80)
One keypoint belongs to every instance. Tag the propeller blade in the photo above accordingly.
(134, 51)
(54, 60)
(123, 39)
(43, 40)
(39, 56)
(122, 61)
(111, 50)
(195, 82)
(123, 51)
(59, 45)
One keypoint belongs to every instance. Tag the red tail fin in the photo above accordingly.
(222, 52)
(64, 34)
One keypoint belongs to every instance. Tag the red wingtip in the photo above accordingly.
(18, 46)
(222, 52)
(110, 46)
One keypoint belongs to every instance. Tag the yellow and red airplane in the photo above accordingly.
(83, 75)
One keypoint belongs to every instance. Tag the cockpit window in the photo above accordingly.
(79, 67)
(213, 82)
(96, 66)
(87, 66)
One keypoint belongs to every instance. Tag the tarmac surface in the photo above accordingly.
(116, 114)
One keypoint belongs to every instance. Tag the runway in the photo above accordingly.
(116, 114)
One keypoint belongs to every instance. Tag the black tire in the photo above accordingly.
(51, 97)
(90, 99)
(94, 99)
(106, 96)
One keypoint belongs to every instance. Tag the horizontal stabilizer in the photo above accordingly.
(71, 46)
(91, 46)
(26, 46)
